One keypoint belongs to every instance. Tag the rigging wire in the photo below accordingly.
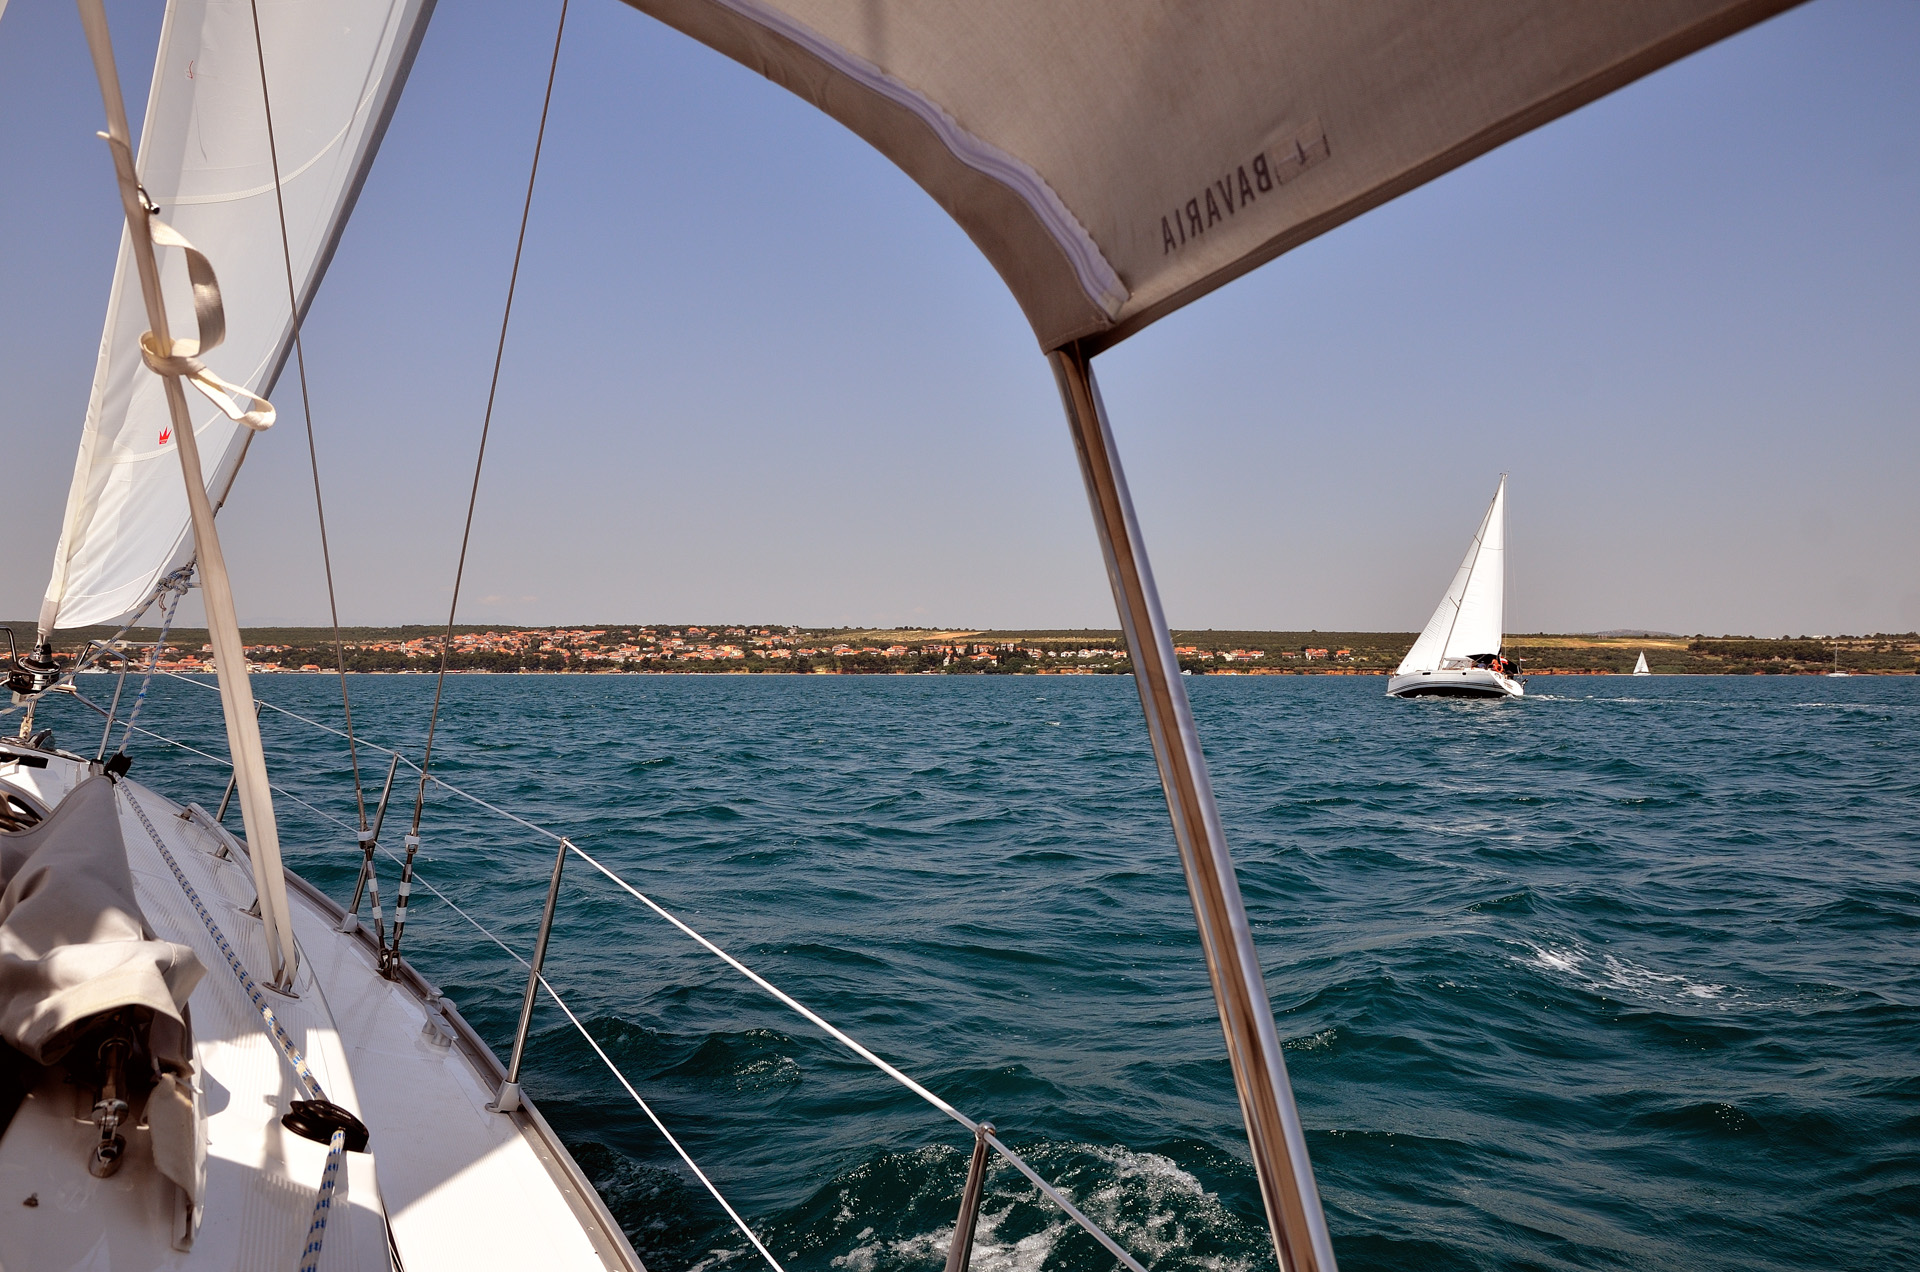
(153, 662)
(486, 423)
(1014, 1159)
(306, 414)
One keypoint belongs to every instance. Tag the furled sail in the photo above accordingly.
(1471, 619)
(1116, 159)
(335, 70)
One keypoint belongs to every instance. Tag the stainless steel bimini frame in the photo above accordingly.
(1253, 1043)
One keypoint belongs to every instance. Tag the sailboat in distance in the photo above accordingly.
(1458, 654)
(1640, 668)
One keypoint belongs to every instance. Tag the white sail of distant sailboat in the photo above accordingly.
(1640, 668)
(1458, 653)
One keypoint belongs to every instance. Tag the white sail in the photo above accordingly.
(1640, 668)
(335, 70)
(1471, 618)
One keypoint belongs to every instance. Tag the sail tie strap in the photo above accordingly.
(302, 1071)
(210, 314)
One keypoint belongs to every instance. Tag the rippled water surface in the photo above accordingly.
(1625, 975)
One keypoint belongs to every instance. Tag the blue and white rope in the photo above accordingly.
(337, 1145)
(323, 1203)
(275, 1029)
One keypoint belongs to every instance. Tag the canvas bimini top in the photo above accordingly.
(1117, 159)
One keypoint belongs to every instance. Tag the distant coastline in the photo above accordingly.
(681, 649)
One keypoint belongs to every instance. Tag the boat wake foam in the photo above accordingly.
(1612, 975)
(1158, 1210)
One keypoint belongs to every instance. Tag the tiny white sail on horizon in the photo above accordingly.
(1640, 668)
(335, 71)
(1471, 618)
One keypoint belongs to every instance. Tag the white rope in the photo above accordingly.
(1054, 1194)
(92, 650)
(323, 1203)
(782, 995)
(661, 1127)
(443, 784)
(157, 737)
(620, 1077)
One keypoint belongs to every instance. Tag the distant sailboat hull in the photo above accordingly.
(1457, 654)
(1464, 682)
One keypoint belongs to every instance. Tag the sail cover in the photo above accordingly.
(335, 70)
(1116, 159)
(1471, 619)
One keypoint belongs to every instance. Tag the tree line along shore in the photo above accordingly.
(779, 649)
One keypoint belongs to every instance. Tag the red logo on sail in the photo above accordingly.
(166, 435)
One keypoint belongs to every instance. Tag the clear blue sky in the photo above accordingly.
(756, 374)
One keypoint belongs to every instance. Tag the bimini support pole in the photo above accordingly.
(1253, 1044)
(223, 627)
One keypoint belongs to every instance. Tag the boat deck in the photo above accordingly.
(447, 1182)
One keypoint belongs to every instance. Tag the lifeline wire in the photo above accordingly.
(94, 648)
(281, 791)
(1055, 1195)
(322, 1203)
(306, 415)
(1019, 1163)
(119, 685)
(486, 423)
(646, 1108)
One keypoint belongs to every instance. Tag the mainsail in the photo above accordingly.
(335, 71)
(1471, 618)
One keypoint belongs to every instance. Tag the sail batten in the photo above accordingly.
(335, 71)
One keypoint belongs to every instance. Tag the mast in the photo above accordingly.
(223, 626)
(1279, 1145)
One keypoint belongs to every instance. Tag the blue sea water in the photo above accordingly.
(1626, 975)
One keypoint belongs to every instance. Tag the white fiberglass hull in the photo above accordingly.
(458, 1185)
(1466, 682)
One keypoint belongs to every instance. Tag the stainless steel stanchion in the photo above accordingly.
(961, 1250)
(1279, 1146)
(509, 1098)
